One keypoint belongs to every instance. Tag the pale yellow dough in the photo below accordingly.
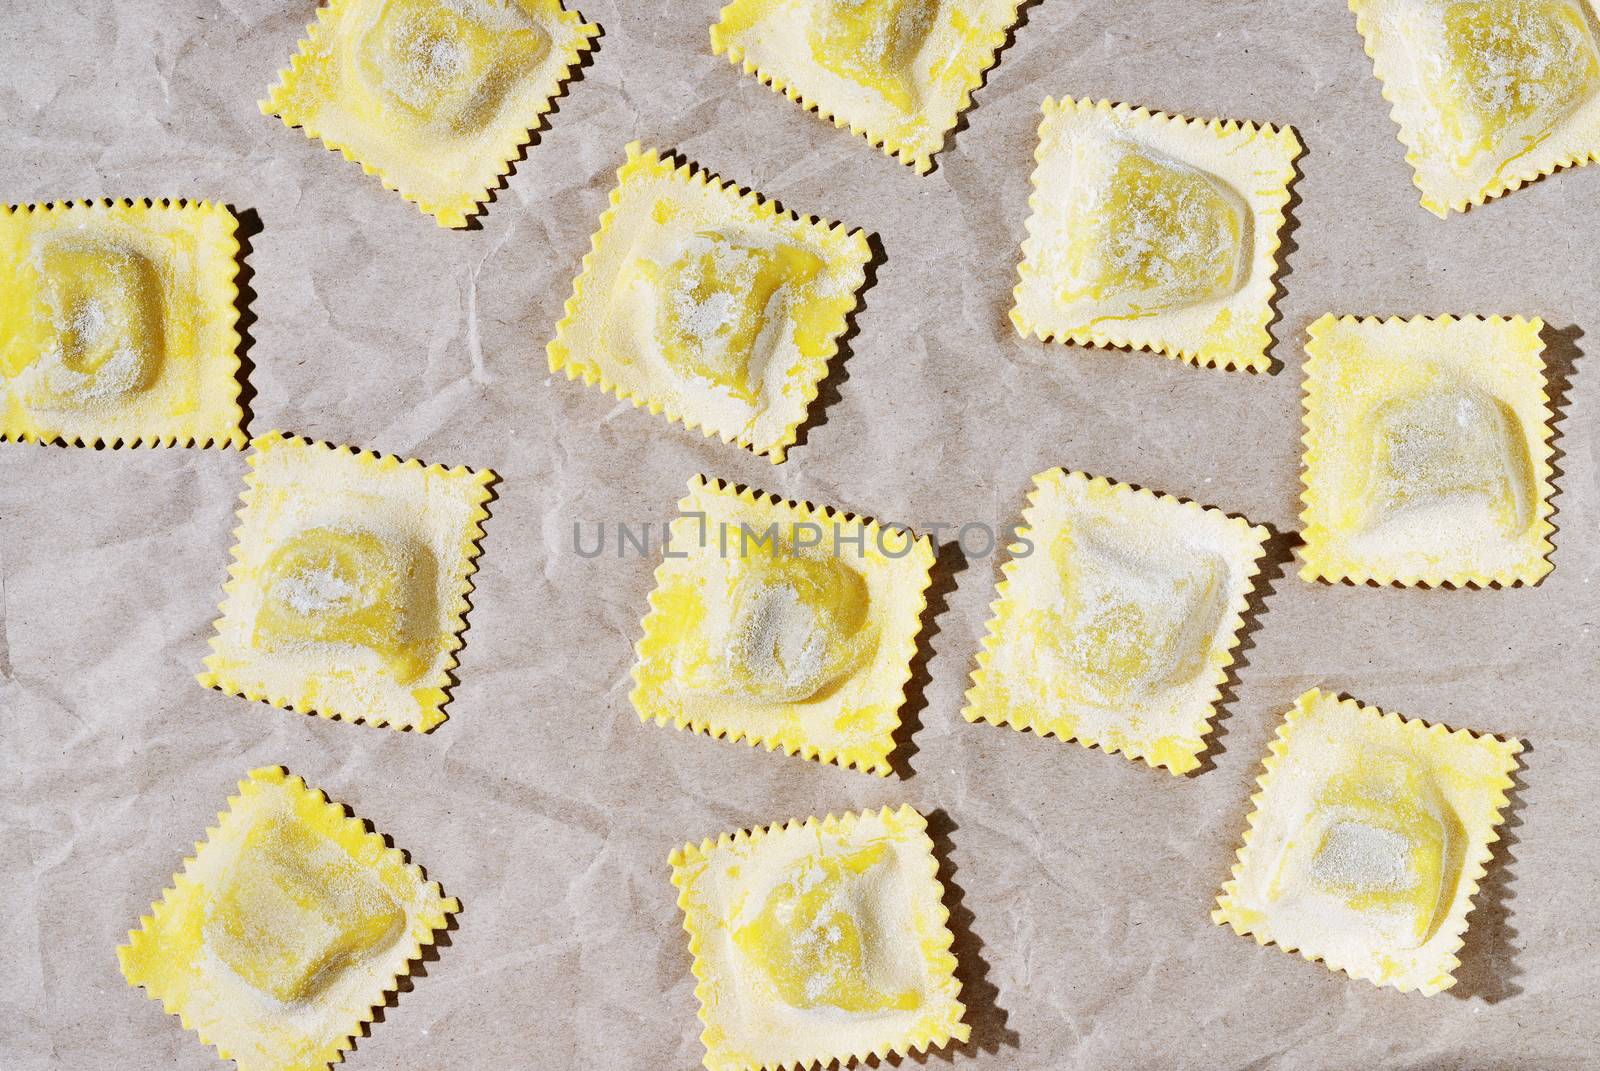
(1427, 455)
(899, 72)
(118, 324)
(1367, 841)
(284, 931)
(1154, 232)
(435, 97)
(782, 624)
(347, 594)
(819, 941)
(1116, 619)
(712, 306)
(1488, 94)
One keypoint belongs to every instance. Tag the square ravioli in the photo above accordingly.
(819, 941)
(1427, 452)
(782, 624)
(1367, 842)
(1116, 619)
(287, 927)
(899, 72)
(435, 97)
(1154, 232)
(118, 324)
(713, 305)
(1488, 94)
(348, 590)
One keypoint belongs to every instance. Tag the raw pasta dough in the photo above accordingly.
(1427, 451)
(819, 941)
(117, 324)
(285, 929)
(783, 624)
(347, 594)
(1116, 619)
(436, 97)
(1367, 841)
(1155, 232)
(1488, 94)
(711, 305)
(899, 72)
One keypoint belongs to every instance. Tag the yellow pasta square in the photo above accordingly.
(782, 624)
(1116, 619)
(899, 72)
(435, 97)
(1154, 232)
(348, 591)
(712, 305)
(118, 324)
(819, 941)
(285, 929)
(1367, 842)
(1427, 452)
(1488, 94)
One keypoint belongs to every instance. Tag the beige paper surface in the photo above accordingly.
(1080, 882)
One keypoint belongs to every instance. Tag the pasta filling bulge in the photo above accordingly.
(446, 66)
(354, 588)
(1133, 622)
(873, 43)
(1499, 75)
(1380, 845)
(108, 313)
(296, 911)
(1147, 232)
(1446, 466)
(816, 938)
(791, 628)
(721, 300)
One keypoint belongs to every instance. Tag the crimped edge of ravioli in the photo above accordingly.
(1473, 867)
(459, 211)
(1218, 657)
(1529, 172)
(430, 713)
(223, 288)
(1321, 565)
(354, 835)
(900, 821)
(1268, 206)
(892, 681)
(845, 247)
(980, 57)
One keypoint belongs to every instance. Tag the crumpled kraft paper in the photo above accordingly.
(1079, 882)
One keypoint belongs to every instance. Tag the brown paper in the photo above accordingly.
(1080, 882)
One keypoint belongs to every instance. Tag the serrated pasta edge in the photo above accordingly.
(1220, 655)
(1496, 187)
(900, 820)
(1317, 564)
(920, 160)
(577, 40)
(421, 929)
(227, 286)
(1272, 208)
(1473, 868)
(801, 510)
(430, 712)
(844, 247)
